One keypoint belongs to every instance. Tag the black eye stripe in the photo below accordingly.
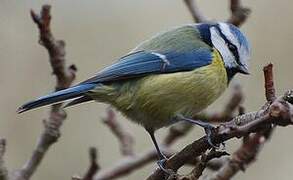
(234, 51)
(231, 46)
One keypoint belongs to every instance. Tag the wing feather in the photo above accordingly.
(142, 63)
(180, 49)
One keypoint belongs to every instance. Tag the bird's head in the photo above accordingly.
(230, 42)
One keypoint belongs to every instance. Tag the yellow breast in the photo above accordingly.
(159, 98)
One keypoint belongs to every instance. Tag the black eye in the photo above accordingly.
(232, 47)
(234, 51)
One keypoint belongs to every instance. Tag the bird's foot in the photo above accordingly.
(162, 158)
(209, 128)
(162, 165)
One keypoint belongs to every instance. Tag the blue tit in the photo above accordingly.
(167, 78)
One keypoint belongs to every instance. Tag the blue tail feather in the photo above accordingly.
(59, 96)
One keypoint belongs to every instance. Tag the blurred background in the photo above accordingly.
(96, 34)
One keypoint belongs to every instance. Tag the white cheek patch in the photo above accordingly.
(243, 47)
(228, 34)
(243, 52)
(220, 44)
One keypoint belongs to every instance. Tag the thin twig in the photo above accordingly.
(3, 169)
(177, 131)
(196, 14)
(129, 164)
(269, 83)
(280, 112)
(125, 138)
(239, 14)
(252, 144)
(64, 77)
(199, 168)
(226, 131)
(241, 158)
(94, 167)
(245, 155)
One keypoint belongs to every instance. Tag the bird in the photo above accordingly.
(168, 78)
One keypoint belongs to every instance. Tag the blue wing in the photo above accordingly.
(143, 63)
(177, 50)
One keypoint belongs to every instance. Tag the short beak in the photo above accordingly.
(243, 69)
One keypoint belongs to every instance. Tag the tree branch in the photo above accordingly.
(94, 167)
(239, 13)
(279, 112)
(127, 165)
(241, 158)
(196, 14)
(3, 169)
(238, 16)
(125, 138)
(269, 83)
(205, 158)
(131, 163)
(66, 75)
(64, 78)
(252, 144)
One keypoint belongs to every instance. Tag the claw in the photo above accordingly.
(161, 156)
(208, 131)
(207, 127)
(161, 164)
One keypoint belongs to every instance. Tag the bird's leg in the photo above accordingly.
(207, 127)
(161, 156)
